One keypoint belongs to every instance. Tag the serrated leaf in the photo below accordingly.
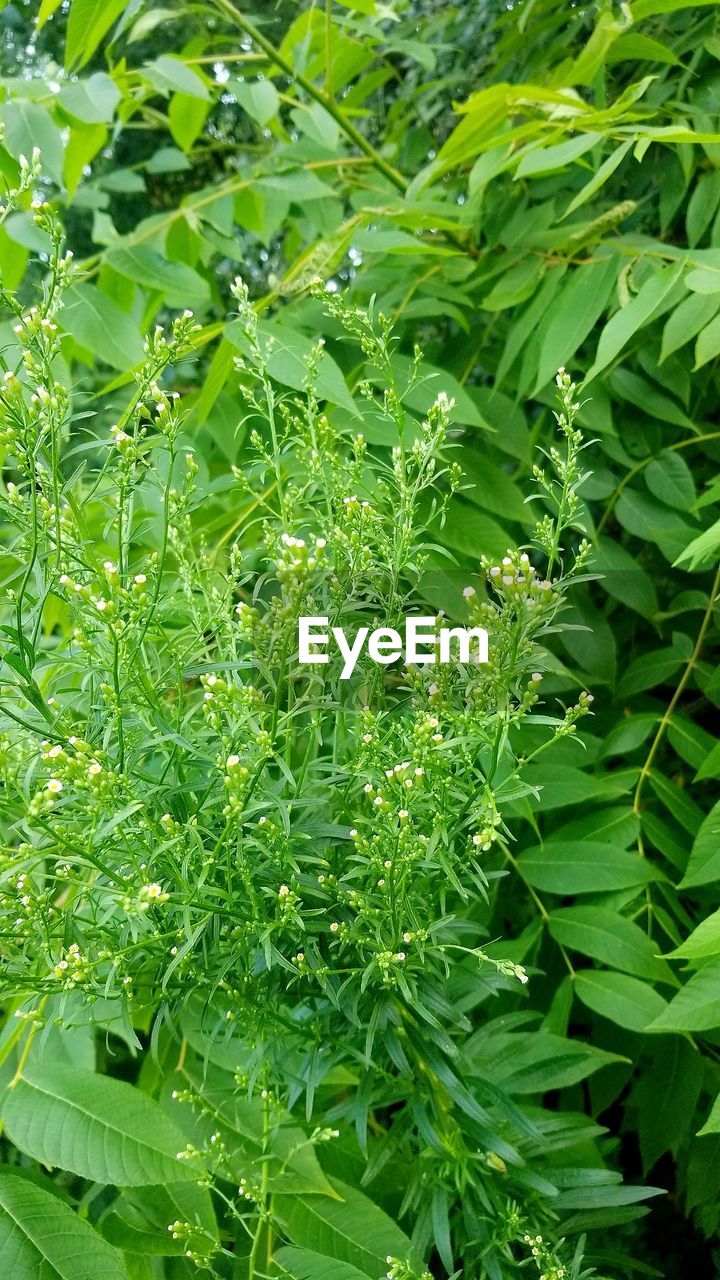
(95, 1126)
(304, 1264)
(42, 1239)
(352, 1229)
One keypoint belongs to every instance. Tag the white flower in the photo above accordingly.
(54, 786)
(283, 891)
(232, 762)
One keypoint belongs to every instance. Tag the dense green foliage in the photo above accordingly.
(422, 978)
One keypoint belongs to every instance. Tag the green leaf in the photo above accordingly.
(651, 669)
(635, 47)
(670, 479)
(687, 319)
(28, 125)
(42, 1239)
(624, 1000)
(167, 160)
(667, 1094)
(525, 1062)
(703, 943)
(304, 1264)
(470, 532)
(291, 1161)
(172, 75)
(288, 361)
(623, 577)
(702, 549)
(653, 521)
(600, 177)
(99, 324)
(95, 1126)
(691, 742)
(610, 938)
(47, 9)
(352, 1229)
(89, 21)
(625, 323)
(544, 159)
(179, 284)
(702, 206)
(712, 1124)
(258, 97)
(431, 382)
(93, 100)
(629, 386)
(573, 314)
(587, 867)
(704, 864)
(186, 117)
(697, 1006)
(139, 1219)
(708, 342)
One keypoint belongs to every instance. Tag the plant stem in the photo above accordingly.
(240, 20)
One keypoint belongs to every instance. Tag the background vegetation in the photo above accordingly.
(519, 188)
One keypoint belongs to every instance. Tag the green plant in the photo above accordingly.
(202, 837)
